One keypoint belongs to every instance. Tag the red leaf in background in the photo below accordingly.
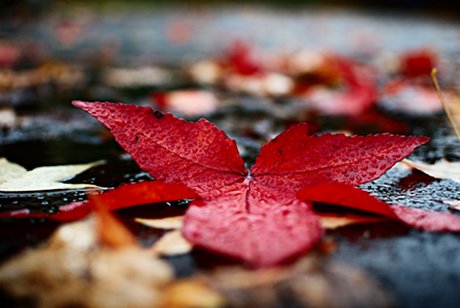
(240, 59)
(144, 193)
(186, 102)
(358, 95)
(9, 54)
(255, 217)
(375, 121)
(417, 63)
(413, 96)
(121, 197)
(352, 197)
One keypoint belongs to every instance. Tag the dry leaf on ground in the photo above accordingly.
(453, 204)
(16, 178)
(73, 263)
(310, 282)
(171, 244)
(442, 169)
(334, 221)
(174, 222)
(10, 170)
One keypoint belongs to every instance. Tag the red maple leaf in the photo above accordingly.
(251, 216)
(256, 216)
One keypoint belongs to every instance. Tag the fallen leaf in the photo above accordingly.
(111, 231)
(255, 218)
(174, 222)
(9, 54)
(74, 262)
(10, 170)
(453, 204)
(410, 97)
(242, 60)
(451, 105)
(121, 197)
(8, 118)
(417, 63)
(352, 197)
(186, 102)
(171, 244)
(442, 169)
(334, 221)
(453, 111)
(197, 155)
(356, 94)
(311, 282)
(41, 178)
(136, 77)
(206, 72)
(52, 72)
(191, 293)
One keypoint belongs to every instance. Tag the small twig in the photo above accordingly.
(450, 115)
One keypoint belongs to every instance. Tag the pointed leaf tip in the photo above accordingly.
(352, 197)
(198, 154)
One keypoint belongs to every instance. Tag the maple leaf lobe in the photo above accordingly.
(352, 197)
(198, 154)
(253, 223)
(295, 159)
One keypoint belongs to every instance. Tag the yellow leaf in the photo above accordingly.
(171, 244)
(453, 204)
(10, 170)
(191, 293)
(42, 178)
(174, 222)
(442, 169)
(334, 221)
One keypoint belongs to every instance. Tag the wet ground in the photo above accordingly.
(420, 269)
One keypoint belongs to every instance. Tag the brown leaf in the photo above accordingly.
(111, 232)
(72, 269)
(191, 293)
(334, 221)
(311, 282)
